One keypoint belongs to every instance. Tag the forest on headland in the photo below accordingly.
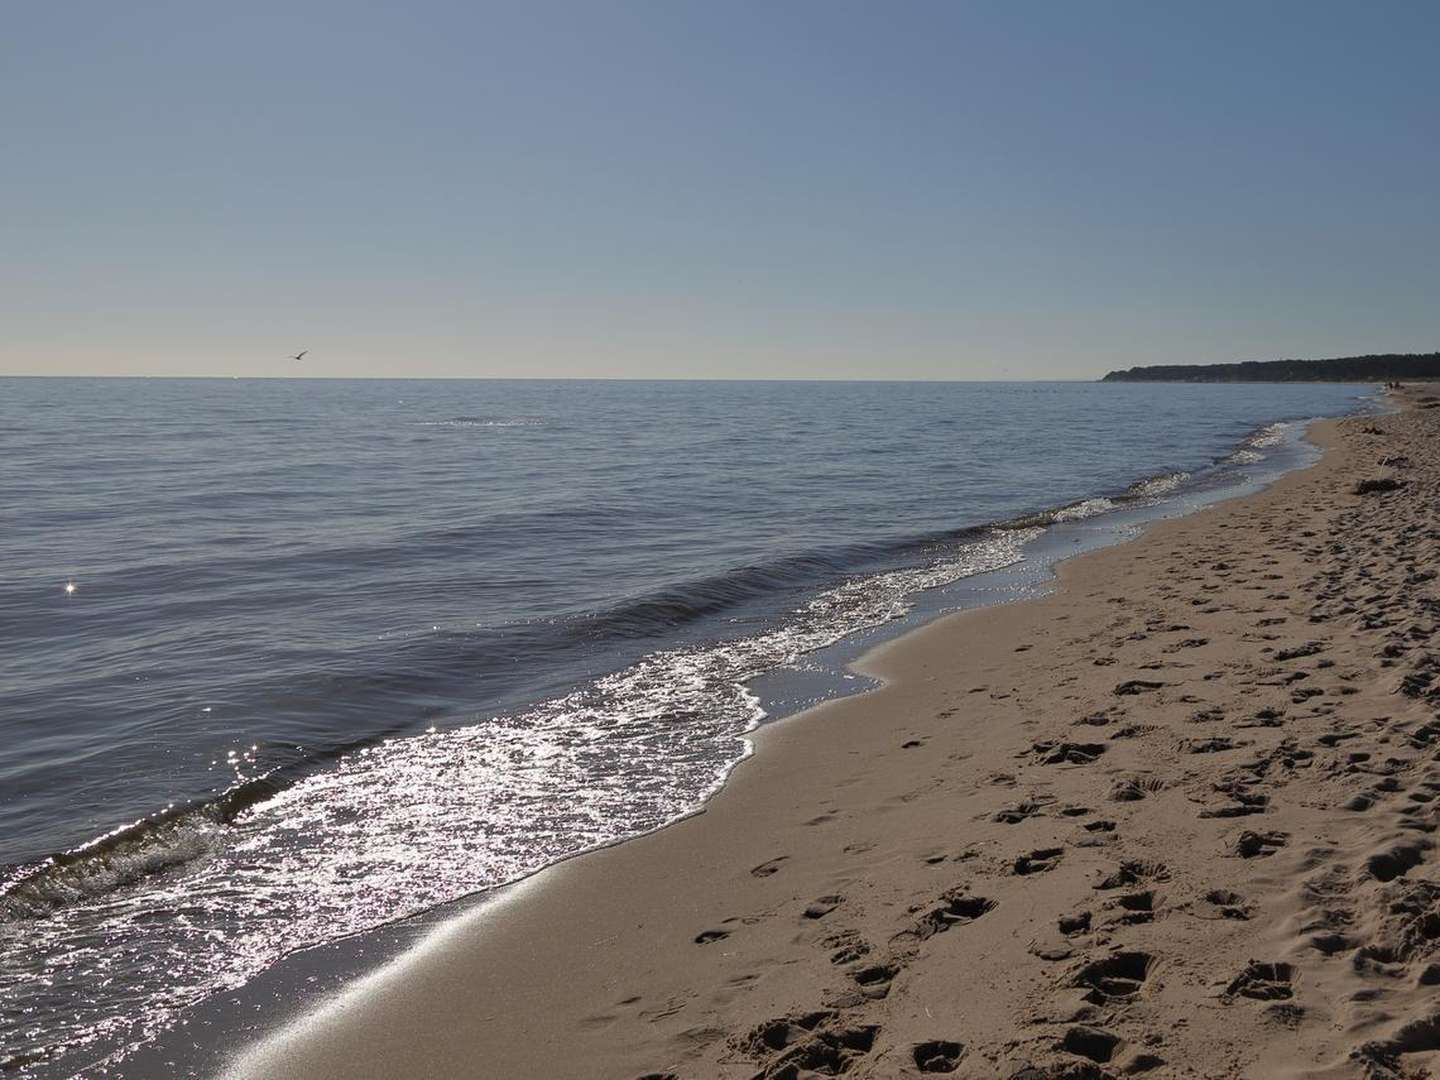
(1378, 367)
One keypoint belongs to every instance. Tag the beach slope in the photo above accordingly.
(1177, 819)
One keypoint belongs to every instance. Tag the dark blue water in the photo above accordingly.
(286, 659)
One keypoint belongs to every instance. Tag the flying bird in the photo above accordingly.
(300, 355)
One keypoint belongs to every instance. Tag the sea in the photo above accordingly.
(286, 660)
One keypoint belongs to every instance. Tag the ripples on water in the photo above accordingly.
(379, 645)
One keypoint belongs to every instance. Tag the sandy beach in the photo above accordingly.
(1175, 819)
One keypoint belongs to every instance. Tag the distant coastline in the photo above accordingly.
(1378, 367)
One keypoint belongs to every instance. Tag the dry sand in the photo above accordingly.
(1176, 819)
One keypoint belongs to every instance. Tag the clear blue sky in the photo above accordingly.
(801, 189)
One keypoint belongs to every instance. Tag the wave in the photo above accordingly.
(1252, 448)
(619, 681)
(1154, 486)
(176, 835)
(668, 609)
(1143, 491)
(483, 422)
(1269, 435)
(300, 856)
(707, 678)
(1086, 508)
(153, 844)
(161, 841)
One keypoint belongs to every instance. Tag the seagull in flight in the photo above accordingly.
(300, 355)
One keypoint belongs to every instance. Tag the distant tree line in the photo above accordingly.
(1380, 367)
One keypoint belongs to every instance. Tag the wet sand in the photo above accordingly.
(1174, 820)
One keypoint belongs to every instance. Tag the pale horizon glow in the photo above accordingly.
(837, 190)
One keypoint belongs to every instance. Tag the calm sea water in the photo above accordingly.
(287, 659)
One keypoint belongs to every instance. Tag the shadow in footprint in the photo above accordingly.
(827, 1052)
(1134, 789)
(1038, 861)
(937, 1056)
(1051, 752)
(822, 906)
(1263, 982)
(1397, 861)
(1137, 686)
(1015, 813)
(956, 909)
(1089, 1042)
(874, 981)
(1258, 845)
(1135, 908)
(1116, 977)
(1223, 904)
(1417, 1036)
(1133, 872)
(782, 1032)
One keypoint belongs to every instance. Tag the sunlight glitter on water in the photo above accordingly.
(403, 825)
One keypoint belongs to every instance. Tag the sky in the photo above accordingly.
(807, 189)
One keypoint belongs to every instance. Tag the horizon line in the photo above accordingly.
(534, 378)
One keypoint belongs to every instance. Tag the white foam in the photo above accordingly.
(404, 825)
(1088, 508)
(1156, 486)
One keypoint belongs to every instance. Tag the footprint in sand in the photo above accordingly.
(1222, 904)
(956, 908)
(1137, 686)
(1134, 908)
(1259, 845)
(811, 1044)
(1418, 1035)
(822, 906)
(1038, 861)
(765, 869)
(874, 980)
(1093, 1043)
(1262, 982)
(850, 952)
(1243, 802)
(1117, 977)
(1053, 752)
(1095, 834)
(1216, 745)
(937, 1056)
(1133, 872)
(1015, 813)
(1398, 859)
(772, 1035)
(1134, 731)
(1134, 789)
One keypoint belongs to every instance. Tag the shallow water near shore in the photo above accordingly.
(597, 652)
(299, 990)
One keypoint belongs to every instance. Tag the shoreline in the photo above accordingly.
(308, 978)
(316, 970)
(600, 972)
